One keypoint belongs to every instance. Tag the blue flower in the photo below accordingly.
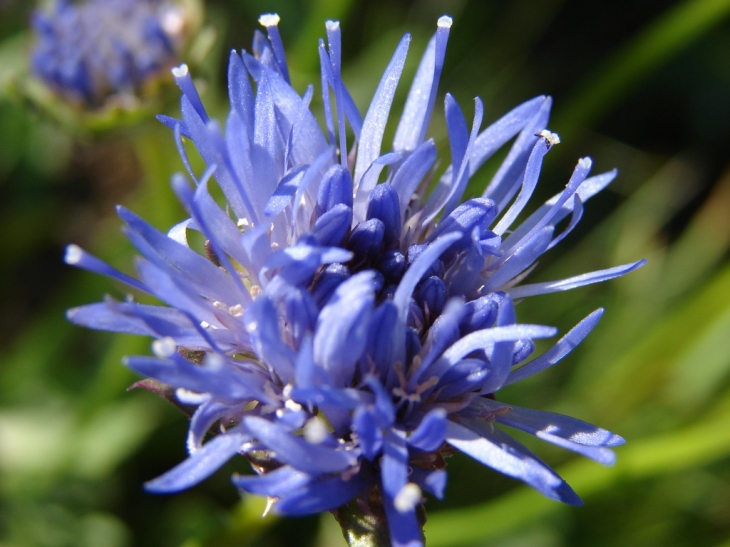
(346, 329)
(91, 50)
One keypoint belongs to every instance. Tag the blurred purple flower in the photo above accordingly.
(337, 333)
(90, 50)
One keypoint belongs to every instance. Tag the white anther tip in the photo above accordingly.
(445, 21)
(74, 253)
(550, 137)
(269, 19)
(180, 71)
(408, 498)
(164, 347)
(331, 25)
(315, 430)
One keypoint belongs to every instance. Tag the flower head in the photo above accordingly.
(91, 50)
(346, 328)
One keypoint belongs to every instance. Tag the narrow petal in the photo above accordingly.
(323, 495)
(342, 327)
(529, 181)
(562, 348)
(431, 432)
(76, 256)
(417, 270)
(276, 483)
(200, 465)
(377, 116)
(411, 173)
(510, 459)
(422, 95)
(295, 451)
(574, 282)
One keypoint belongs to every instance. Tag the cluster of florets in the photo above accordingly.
(98, 48)
(336, 331)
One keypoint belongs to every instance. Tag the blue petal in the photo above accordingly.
(335, 188)
(373, 126)
(510, 458)
(394, 464)
(368, 182)
(268, 149)
(410, 174)
(273, 484)
(562, 348)
(202, 420)
(334, 39)
(212, 148)
(574, 282)
(480, 313)
(422, 95)
(403, 525)
(240, 94)
(576, 435)
(262, 323)
(327, 281)
(529, 181)
(474, 214)
(207, 277)
(322, 496)
(383, 205)
(501, 355)
(509, 176)
(463, 377)
(76, 256)
(433, 482)
(579, 175)
(343, 325)
(308, 141)
(369, 435)
(431, 432)
(392, 264)
(331, 228)
(222, 234)
(461, 175)
(200, 465)
(185, 82)
(431, 296)
(276, 45)
(481, 338)
(570, 429)
(521, 258)
(285, 190)
(224, 383)
(381, 340)
(295, 451)
(366, 240)
(118, 317)
(300, 312)
(416, 271)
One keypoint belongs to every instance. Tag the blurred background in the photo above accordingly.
(641, 86)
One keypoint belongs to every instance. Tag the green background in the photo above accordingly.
(642, 86)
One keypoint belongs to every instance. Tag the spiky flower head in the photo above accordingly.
(91, 50)
(346, 329)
